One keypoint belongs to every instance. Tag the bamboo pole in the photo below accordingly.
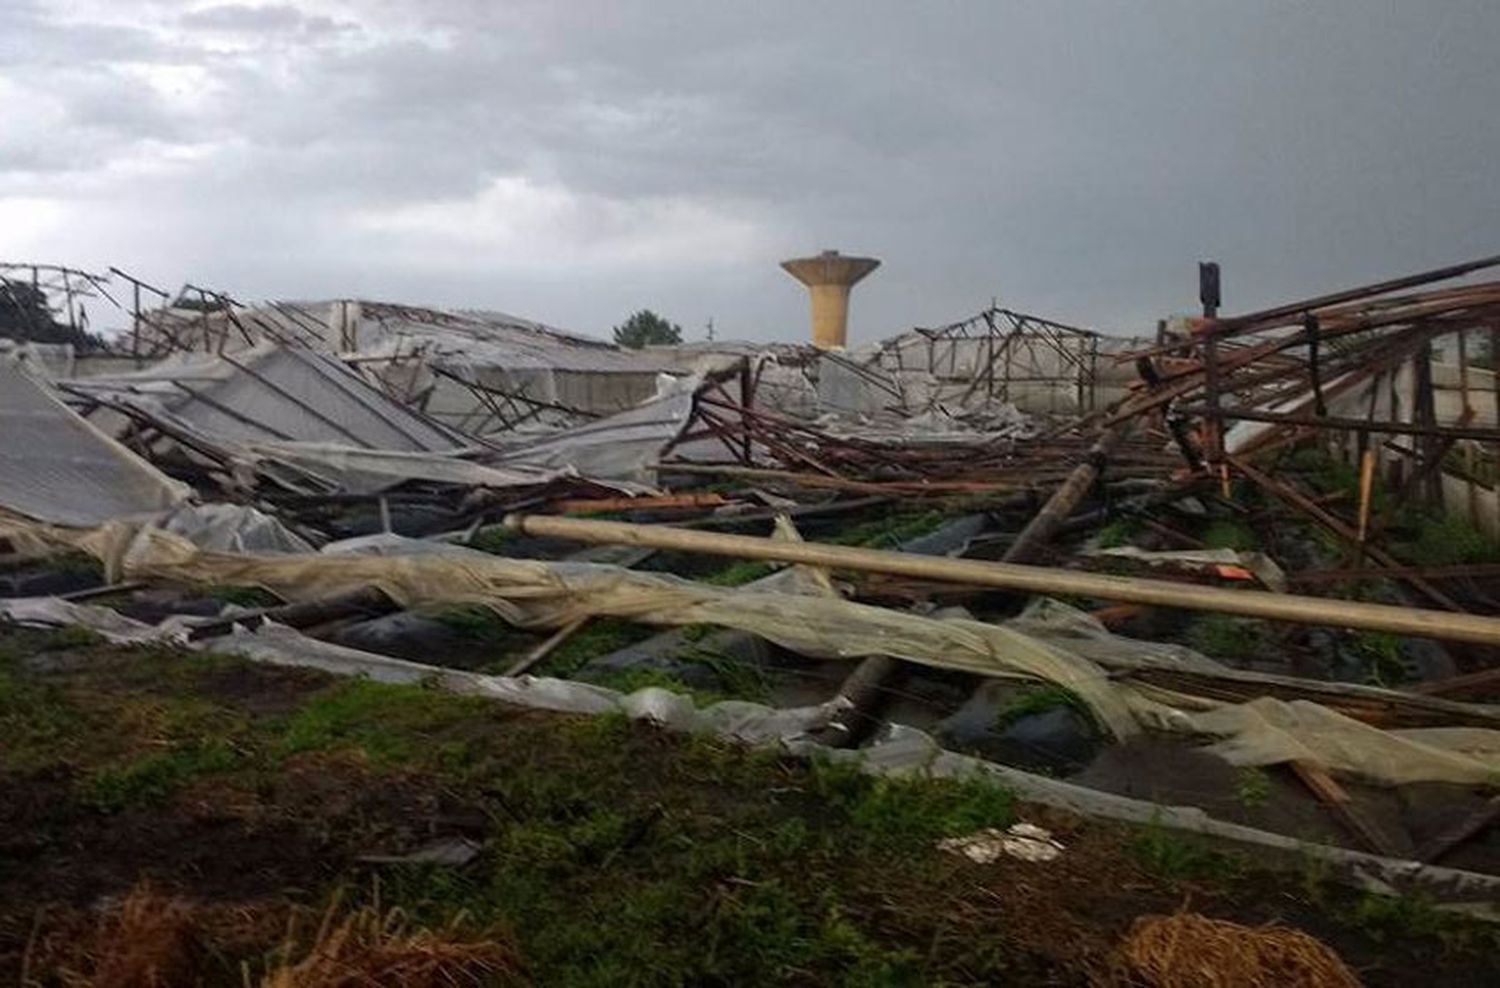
(1031, 579)
(1366, 489)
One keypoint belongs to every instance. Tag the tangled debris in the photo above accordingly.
(1254, 544)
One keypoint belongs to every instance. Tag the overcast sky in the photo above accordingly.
(573, 161)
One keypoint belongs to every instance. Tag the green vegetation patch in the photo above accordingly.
(891, 531)
(740, 573)
(493, 539)
(389, 724)
(155, 777)
(616, 853)
(1223, 636)
(600, 636)
(1038, 699)
(1446, 540)
(1118, 532)
(1229, 533)
(1173, 854)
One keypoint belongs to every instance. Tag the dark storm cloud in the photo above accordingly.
(574, 161)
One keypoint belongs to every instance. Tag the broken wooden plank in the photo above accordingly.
(545, 648)
(582, 505)
(1333, 796)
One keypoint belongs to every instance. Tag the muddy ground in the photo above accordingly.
(612, 852)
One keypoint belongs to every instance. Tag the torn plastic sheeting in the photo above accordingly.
(741, 720)
(538, 594)
(1261, 565)
(231, 528)
(56, 467)
(626, 446)
(1067, 627)
(54, 612)
(357, 470)
(1268, 731)
(217, 527)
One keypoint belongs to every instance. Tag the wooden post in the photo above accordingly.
(1366, 488)
(1032, 579)
(1425, 413)
(1337, 800)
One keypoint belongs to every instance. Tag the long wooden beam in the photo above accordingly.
(1031, 579)
(1489, 434)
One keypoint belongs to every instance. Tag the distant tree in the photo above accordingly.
(26, 315)
(646, 328)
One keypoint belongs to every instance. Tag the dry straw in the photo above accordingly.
(1188, 950)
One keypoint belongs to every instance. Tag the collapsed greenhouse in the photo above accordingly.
(1237, 578)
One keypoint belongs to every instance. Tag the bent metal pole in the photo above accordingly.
(1030, 579)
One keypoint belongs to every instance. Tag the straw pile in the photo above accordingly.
(369, 948)
(148, 940)
(1188, 950)
(151, 940)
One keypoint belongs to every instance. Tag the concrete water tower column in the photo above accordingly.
(828, 278)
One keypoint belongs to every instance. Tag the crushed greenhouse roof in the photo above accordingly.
(271, 393)
(56, 467)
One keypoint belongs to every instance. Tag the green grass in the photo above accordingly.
(389, 724)
(73, 636)
(36, 724)
(1038, 699)
(740, 573)
(154, 778)
(1383, 652)
(607, 838)
(483, 626)
(1229, 533)
(1172, 854)
(1328, 474)
(598, 637)
(644, 677)
(77, 563)
(1222, 636)
(737, 680)
(493, 539)
(1446, 540)
(891, 531)
(887, 812)
(618, 854)
(1118, 532)
(1252, 787)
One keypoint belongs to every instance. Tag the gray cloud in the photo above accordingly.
(575, 161)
